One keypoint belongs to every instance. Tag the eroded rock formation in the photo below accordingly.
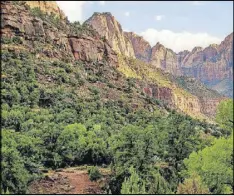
(109, 28)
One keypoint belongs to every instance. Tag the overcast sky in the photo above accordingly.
(177, 25)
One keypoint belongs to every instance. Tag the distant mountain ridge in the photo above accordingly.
(210, 65)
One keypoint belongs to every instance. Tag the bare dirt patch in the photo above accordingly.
(67, 181)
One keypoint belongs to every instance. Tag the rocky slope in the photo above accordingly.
(210, 65)
(188, 96)
(49, 39)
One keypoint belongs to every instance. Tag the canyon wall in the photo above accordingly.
(212, 65)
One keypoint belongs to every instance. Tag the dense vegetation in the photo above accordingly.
(47, 126)
(54, 115)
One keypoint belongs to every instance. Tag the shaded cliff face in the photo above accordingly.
(142, 48)
(107, 26)
(49, 40)
(165, 59)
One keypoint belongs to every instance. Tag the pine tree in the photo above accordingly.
(133, 184)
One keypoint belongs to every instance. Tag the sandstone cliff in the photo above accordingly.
(48, 7)
(210, 65)
(109, 28)
(190, 97)
(142, 48)
(39, 35)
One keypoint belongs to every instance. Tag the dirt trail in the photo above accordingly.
(66, 181)
(81, 183)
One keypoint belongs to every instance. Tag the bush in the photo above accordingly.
(94, 90)
(6, 40)
(110, 85)
(94, 173)
(17, 40)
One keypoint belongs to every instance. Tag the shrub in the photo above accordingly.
(94, 90)
(17, 40)
(110, 85)
(94, 173)
(6, 40)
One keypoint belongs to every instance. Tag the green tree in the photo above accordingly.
(224, 115)
(72, 143)
(15, 176)
(78, 145)
(94, 173)
(215, 166)
(193, 185)
(183, 138)
(133, 184)
(156, 184)
(137, 147)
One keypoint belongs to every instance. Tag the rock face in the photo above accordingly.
(17, 21)
(191, 105)
(48, 7)
(142, 48)
(165, 59)
(89, 49)
(211, 65)
(107, 26)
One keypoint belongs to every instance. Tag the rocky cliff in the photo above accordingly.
(185, 94)
(142, 48)
(109, 28)
(210, 65)
(50, 39)
(48, 7)
(165, 59)
(39, 34)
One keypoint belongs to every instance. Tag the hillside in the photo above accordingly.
(70, 43)
(72, 98)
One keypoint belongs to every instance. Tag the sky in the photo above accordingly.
(179, 25)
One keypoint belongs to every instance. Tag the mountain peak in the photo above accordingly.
(107, 26)
(213, 45)
(197, 49)
(47, 6)
(159, 45)
(101, 14)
